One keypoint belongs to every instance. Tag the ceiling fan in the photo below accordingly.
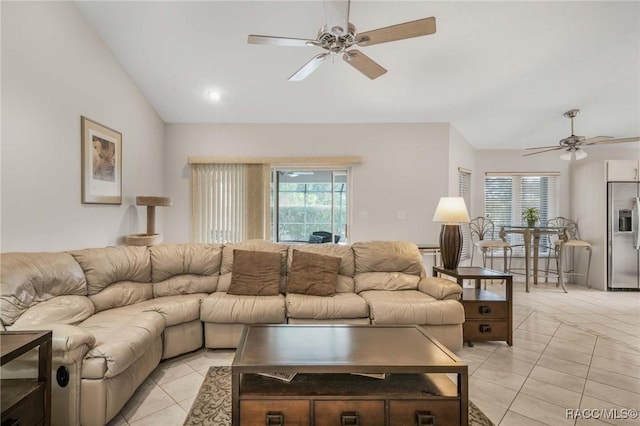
(572, 145)
(338, 36)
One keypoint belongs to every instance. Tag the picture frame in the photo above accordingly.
(101, 150)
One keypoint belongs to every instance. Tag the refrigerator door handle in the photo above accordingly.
(636, 235)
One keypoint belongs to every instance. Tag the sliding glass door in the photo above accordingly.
(309, 205)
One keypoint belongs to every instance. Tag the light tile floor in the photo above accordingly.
(579, 350)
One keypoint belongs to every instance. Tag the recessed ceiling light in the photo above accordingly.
(214, 95)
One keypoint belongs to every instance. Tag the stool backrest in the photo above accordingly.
(570, 226)
(481, 228)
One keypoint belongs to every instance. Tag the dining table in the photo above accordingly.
(531, 236)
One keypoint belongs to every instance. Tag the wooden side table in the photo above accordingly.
(26, 401)
(488, 316)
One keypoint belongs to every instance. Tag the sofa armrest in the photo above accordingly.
(440, 288)
(69, 343)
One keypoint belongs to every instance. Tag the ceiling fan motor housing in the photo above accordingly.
(327, 40)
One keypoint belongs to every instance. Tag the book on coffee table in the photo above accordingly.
(285, 377)
(380, 376)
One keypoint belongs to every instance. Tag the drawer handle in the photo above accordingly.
(350, 418)
(485, 328)
(485, 310)
(425, 418)
(274, 419)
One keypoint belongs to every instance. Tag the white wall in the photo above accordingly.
(404, 168)
(55, 68)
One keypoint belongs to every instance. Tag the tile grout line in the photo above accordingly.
(529, 374)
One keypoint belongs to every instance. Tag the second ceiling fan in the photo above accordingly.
(572, 145)
(338, 36)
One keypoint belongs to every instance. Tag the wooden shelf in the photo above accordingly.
(26, 401)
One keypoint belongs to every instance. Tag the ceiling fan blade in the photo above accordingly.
(280, 41)
(618, 140)
(337, 15)
(418, 28)
(596, 139)
(543, 147)
(546, 150)
(309, 67)
(364, 64)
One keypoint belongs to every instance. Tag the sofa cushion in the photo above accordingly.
(30, 278)
(385, 281)
(411, 307)
(255, 273)
(176, 309)
(185, 268)
(108, 265)
(313, 274)
(116, 276)
(338, 306)
(62, 310)
(388, 256)
(122, 336)
(224, 308)
(122, 294)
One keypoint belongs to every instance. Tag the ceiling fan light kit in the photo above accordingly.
(572, 145)
(335, 40)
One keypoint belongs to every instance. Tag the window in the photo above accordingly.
(506, 195)
(308, 201)
(229, 202)
(464, 191)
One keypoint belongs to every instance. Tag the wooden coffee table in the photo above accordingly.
(416, 390)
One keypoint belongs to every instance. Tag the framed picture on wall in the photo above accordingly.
(101, 163)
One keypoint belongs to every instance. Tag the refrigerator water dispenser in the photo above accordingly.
(625, 218)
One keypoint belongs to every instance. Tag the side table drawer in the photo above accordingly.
(445, 413)
(479, 309)
(290, 412)
(332, 413)
(485, 330)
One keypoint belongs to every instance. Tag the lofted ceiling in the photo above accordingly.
(502, 73)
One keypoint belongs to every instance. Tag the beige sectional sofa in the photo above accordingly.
(116, 312)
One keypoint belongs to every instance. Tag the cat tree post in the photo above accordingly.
(150, 238)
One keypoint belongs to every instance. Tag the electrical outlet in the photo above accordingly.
(363, 216)
(401, 215)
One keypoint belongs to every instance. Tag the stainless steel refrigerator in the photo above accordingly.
(623, 241)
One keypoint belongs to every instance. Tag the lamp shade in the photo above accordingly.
(451, 210)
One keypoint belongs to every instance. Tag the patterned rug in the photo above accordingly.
(212, 406)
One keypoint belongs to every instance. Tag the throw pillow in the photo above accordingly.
(313, 274)
(255, 273)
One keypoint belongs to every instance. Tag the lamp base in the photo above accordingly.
(450, 245)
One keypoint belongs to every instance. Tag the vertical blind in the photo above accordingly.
(507, 195)
(228, 202)
(464, 191)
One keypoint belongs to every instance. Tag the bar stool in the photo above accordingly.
(482, 232)
(570, 240)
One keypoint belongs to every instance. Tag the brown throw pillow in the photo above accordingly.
(313, 274)
(255, 273)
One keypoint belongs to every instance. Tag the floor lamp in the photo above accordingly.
(451, 211)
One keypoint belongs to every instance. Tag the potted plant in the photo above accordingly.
(531, 215)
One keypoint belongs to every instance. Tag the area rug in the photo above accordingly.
(212, 406)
